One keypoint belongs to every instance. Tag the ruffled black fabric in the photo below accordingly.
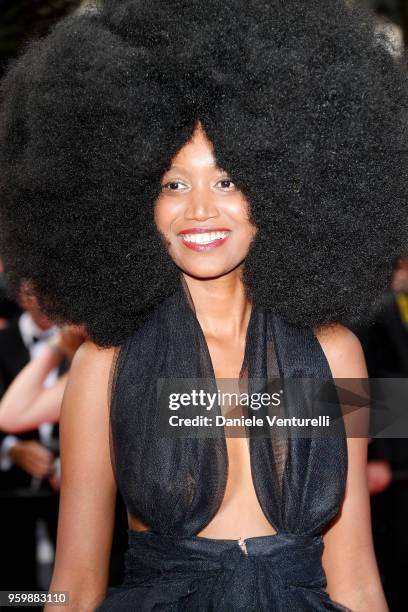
(176, 485)
(166, 573)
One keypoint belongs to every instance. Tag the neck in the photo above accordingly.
(221, 304)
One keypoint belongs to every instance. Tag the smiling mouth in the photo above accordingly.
(201, 240)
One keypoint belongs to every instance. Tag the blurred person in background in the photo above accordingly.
(26, 460)
(27, 403)
(33, 400)
(385, 338)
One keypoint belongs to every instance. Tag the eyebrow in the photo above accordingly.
(177, 168)
(183, 170)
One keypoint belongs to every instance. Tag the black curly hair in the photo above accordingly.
(306, 109)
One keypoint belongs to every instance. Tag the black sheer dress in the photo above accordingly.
(176, 485)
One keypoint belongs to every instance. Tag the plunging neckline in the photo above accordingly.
(177, 484)
(245, 361)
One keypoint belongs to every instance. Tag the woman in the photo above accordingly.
(218, 180)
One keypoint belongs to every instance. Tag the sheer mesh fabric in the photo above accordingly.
(175, 486)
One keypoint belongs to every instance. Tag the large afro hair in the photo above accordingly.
(307, 111)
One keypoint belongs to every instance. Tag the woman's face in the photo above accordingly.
(201, 214)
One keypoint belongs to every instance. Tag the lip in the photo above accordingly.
(203, 248)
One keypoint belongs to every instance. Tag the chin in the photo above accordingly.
(207, 272)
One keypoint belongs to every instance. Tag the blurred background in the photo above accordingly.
(34, 364)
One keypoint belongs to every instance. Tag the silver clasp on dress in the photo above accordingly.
(243, 546)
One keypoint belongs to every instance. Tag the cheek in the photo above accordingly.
(163, 215)
(239, 210)
(238, 207)
(246, 236)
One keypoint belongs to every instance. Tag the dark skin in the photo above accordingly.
(197, 194)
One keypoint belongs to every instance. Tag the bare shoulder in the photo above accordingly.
(336, 338)
(91, 355)
(84, 421)
(343, 351)
(92, 364)
(87, 389)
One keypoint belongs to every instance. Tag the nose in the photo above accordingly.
(202, 205)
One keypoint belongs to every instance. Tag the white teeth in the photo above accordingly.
(205, 238)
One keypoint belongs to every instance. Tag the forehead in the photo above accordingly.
(198, 152)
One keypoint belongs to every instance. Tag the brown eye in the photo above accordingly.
(175, 186)
(225, 184)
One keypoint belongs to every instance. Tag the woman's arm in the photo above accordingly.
(348, 559)
(88, 489)
(27, 403)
